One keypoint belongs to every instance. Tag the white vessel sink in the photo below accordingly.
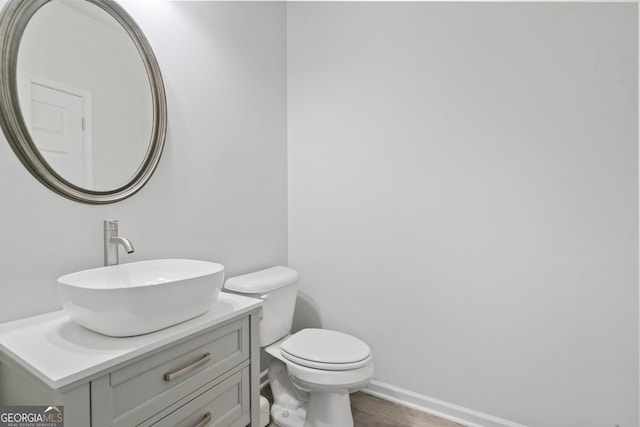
(140, 297)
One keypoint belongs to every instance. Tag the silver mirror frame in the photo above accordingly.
(13, 21)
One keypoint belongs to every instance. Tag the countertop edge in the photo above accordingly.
(148, 343)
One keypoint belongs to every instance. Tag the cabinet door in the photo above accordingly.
(139, 390)
(224, 405)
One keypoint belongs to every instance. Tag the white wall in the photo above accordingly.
(219, 192)
(463, 196)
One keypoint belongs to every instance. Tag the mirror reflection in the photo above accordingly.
(84, 94)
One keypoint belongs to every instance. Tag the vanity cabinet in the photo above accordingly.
(203, 372)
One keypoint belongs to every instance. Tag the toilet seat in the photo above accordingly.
(326, 350)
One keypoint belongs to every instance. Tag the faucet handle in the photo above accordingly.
(110, 224)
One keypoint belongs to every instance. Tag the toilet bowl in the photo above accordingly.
(327, 366)
(311, 372)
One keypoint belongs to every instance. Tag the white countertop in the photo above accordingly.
(59, 352)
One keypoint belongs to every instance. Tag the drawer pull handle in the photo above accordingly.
(205, 422)
(171, 376)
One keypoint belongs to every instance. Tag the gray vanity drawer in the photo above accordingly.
(140, 390)
(227, 404)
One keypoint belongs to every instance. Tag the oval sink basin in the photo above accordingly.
(140, 297)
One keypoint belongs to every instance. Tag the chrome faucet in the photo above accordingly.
(111, 242)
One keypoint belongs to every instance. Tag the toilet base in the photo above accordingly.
(339, 414)
(264, 412)
(317, 413)
(286, 417)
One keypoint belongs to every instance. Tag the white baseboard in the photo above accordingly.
(264, 378)
(439, 408)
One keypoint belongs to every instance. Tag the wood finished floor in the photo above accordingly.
(370, 411)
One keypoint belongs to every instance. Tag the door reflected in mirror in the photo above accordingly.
(84, 94)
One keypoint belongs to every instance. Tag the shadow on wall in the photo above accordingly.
(306, 313)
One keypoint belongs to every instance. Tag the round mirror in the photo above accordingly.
(81, 97)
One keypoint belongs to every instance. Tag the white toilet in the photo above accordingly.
(312, 371)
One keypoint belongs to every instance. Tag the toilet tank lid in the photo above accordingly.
(262, 281)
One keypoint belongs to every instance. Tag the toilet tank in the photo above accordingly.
(278, 288)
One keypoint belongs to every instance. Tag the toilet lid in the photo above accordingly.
(325, 349)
